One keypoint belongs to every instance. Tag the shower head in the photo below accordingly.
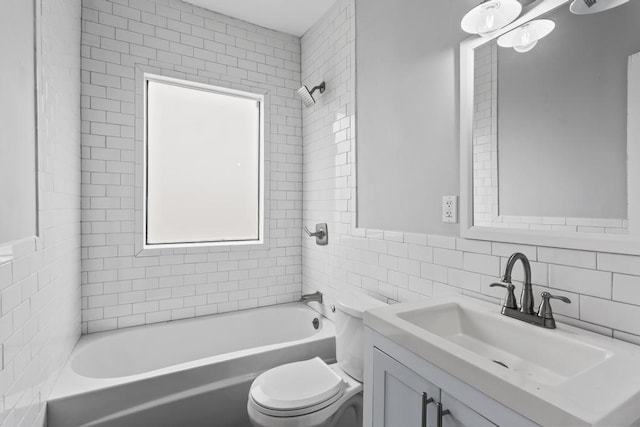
(307, 96)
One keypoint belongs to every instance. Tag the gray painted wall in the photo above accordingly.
(407, 114)
(562, 118)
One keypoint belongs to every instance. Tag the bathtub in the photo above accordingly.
(194, 372)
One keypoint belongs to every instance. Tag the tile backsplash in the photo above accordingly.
(395, 266)
(176, 39)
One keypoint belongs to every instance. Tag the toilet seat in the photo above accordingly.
(296, 389)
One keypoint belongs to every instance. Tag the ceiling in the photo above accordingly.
(288, 16)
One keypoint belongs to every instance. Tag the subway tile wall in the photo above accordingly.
(40, 282)
(172, 38)
(394, 266)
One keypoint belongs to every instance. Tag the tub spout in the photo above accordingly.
(316, 296)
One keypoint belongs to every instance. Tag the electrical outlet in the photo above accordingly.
(450, 209)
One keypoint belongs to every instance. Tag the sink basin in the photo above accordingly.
(563, 376)
(510, 343)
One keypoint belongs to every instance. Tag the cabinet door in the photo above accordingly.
(398, 395)
(460, 415)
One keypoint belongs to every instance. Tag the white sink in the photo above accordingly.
(562, 376)
(510, 343)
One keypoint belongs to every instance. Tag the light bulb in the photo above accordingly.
(488, 21)
(525, 47)
(490, 16)
(527, 40)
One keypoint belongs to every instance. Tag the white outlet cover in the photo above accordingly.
(450, 209)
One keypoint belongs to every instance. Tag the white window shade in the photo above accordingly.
(203, 165)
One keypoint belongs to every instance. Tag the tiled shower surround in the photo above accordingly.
(120, 287)
(395, 266)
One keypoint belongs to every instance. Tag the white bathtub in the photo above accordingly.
(194, 372)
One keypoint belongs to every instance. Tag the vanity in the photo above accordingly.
(549, 152)
(457, 361)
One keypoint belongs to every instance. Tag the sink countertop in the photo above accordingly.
(605, 394)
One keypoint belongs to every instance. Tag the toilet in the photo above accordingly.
(311, 393)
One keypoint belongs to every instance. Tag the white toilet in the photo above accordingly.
(311, 393)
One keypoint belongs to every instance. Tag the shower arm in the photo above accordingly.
(320, 87)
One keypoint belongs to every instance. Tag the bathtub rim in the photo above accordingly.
(69, 383)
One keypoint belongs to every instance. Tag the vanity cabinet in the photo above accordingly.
(401, 397)
(401, 389)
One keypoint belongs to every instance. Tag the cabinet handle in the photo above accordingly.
(425, 402)
(441, 413)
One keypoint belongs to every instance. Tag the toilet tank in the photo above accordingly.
(350, 307)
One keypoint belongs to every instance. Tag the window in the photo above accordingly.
(203, 165)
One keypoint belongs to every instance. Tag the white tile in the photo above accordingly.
(420, 253)
(567, 257)
(102, 325)
(476, 246)
(6, 275)
(449, 258)
(443, 290)
(434, 272)
(110, 115)
(583, 325)
(610, 314)
(626, 289)
(397, 249)
(133, 320)
(11, 298)
(415, 239)
(508, 249)
(421, 286)
(485, 264)
(409, 267)
(441, 241)
(625, 264)
(580, 280)
(465, 279)
(397, 279)
(394, 236)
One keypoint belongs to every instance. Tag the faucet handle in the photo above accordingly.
(511, 297)
(545, 311)
(318, 233)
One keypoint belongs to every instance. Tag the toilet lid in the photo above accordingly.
(296, 385)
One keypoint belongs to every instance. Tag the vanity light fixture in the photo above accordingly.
(491, 15)
(586, 7)
(525, 37)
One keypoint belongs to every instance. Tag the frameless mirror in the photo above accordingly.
(549, 134)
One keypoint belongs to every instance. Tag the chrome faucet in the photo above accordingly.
(544, 316)
(316, 296)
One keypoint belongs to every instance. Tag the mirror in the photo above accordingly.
(546, 144)
(18, 126)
